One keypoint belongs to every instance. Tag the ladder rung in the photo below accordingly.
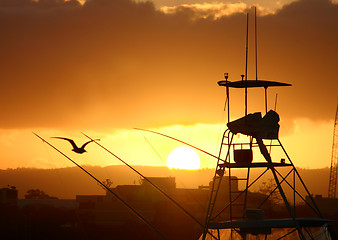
(237, 204)
(237, 191)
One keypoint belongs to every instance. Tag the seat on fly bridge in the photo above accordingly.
(259, 128)
(255, 125)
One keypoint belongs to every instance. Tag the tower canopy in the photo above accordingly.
(252, 84)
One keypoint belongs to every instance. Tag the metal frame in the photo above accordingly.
(227, 163)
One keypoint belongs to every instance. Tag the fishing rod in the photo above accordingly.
(145, 178)
(107, 188)
(199, 149)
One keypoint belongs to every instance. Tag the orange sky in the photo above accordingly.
(108, 66)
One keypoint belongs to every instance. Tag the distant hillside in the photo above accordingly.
(68, 182)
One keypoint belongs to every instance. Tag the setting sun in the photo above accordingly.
(183, 158)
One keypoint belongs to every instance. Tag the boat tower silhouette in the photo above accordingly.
(259, 136)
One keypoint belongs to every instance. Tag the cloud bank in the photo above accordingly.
(117, 63)
(214, 11)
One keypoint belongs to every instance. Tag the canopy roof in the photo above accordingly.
(252, 83)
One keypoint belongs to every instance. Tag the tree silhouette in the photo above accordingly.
(268, 188)
(37, 194)
(108, 183)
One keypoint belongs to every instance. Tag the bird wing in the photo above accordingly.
(83, 146)
(69, 140)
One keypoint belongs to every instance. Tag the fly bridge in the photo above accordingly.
(259, 137)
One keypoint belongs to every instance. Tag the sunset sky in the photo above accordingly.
(104, 67)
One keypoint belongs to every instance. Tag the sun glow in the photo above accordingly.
(183, 158)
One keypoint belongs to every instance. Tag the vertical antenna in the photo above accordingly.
(246, 64)
(256, 59)
(265, 88)
(266, 99)
(276, 102)
(226, 76)
(256, 42)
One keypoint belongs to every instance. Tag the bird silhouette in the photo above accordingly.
(75, 147)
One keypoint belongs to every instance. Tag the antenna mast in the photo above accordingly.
(246, 63)
(256, 42)
(334, 160)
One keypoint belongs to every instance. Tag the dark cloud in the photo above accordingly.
(116, 63)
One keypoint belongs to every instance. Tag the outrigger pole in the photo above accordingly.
(199, 149)
(145, 178)
(107, 188)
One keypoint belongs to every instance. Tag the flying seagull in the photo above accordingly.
(75, 147)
